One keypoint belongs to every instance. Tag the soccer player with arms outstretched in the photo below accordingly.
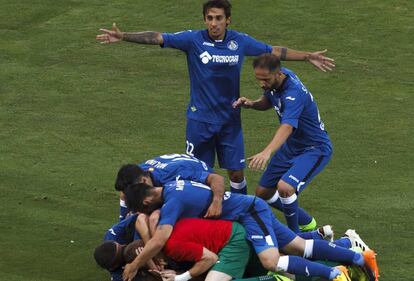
(214, 58)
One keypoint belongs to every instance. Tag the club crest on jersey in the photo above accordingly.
(232, 45)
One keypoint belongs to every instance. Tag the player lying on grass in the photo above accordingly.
(180, 199)
(169, 167)
(192, 239)
(195, 240)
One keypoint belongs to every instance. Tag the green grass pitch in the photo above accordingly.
(73, 110)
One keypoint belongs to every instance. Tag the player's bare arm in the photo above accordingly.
(318, 59)
(260, 104)
(259, 161)
(142, 226)
(216, 183)
(116, 35)
(152, 248)
(208, 259)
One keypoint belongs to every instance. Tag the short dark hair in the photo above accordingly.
(267, 61)
(129, 174)
(105, 255)
(130, 250)
(135, 195)
(220, 4)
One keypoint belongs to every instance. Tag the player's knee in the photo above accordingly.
(297, 246)
(269, 259)
(270, 263)
(236, 175)
(285, 189)
(265, 193)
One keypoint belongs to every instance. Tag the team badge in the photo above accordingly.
(232, 45)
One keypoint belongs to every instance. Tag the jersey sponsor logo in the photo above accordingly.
(232, 45)
(230, 60)
(208, 44)
(290, 98)
(205, 57)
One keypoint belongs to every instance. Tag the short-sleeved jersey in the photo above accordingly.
(123, 232)
(186, 199)
(295, 106)
(190, 235)
(166, 168)
(214, 67)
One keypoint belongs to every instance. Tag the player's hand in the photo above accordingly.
(129, 272)
(259, 161)
(214, 211)
(320, 61)
(168, 275)
(160, 261)
(243, 102)
(110, 36)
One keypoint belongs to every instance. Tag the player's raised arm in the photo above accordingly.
(116, 35)
(315, 58)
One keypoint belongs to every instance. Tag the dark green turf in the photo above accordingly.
(72, 111)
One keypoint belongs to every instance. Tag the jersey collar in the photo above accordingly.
(216, 41)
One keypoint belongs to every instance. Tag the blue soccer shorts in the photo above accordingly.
(204, 140)
(263, 230)
(297, 171)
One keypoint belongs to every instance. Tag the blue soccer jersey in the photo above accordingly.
(123, 232)
(166, 168)
(214, 68)
(183, 199)
(295, 106)
(192, 199)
